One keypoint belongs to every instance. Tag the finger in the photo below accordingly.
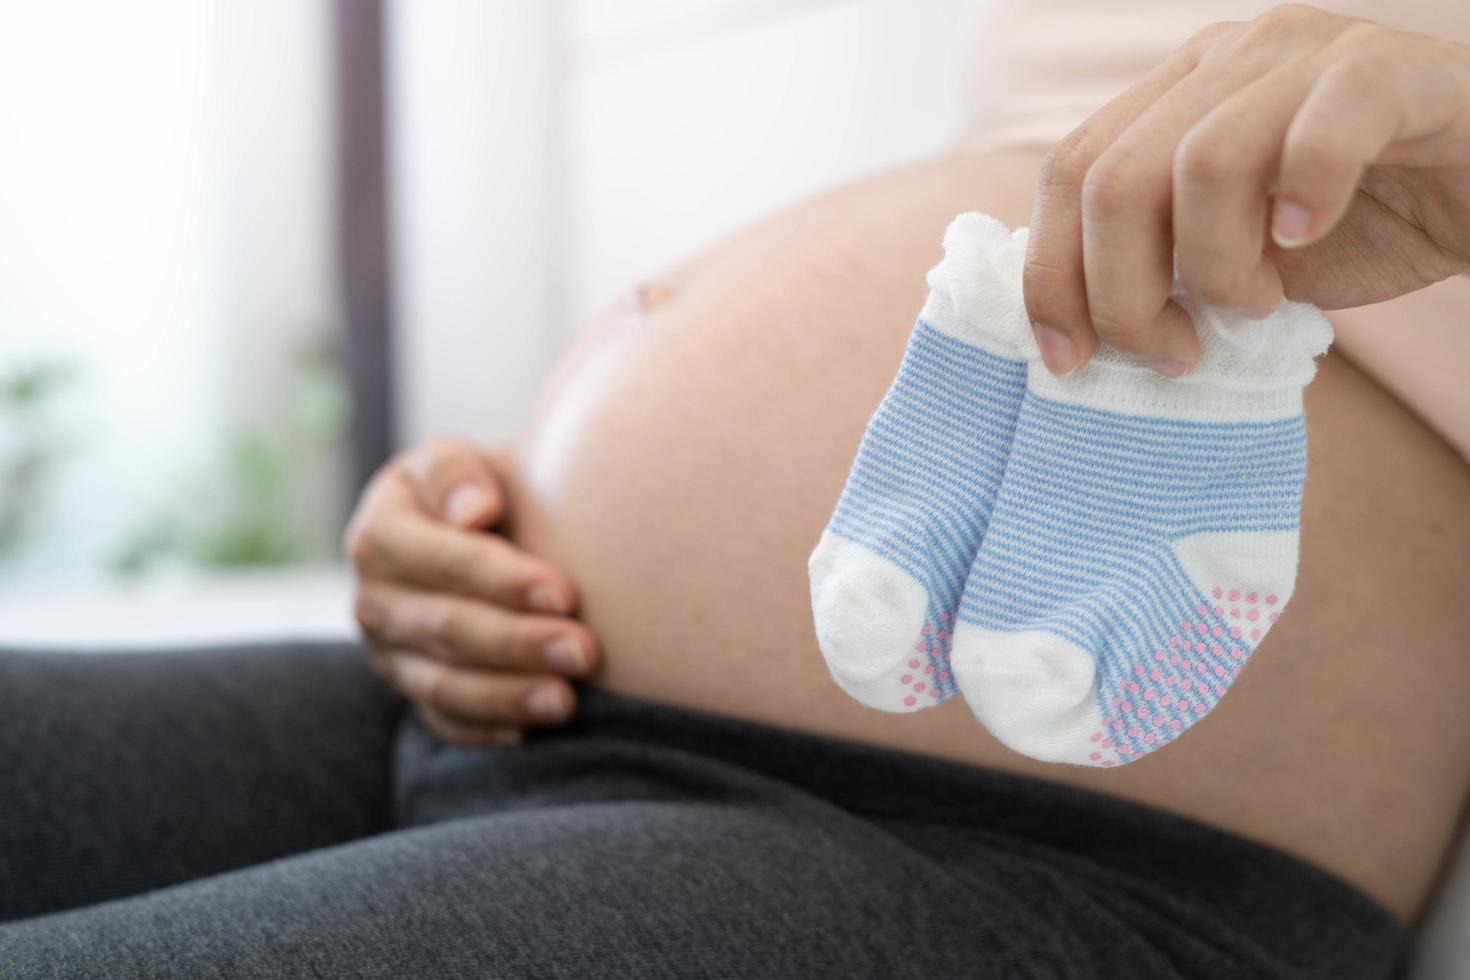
(453, 479)
(1380, 94)
(467, 734)
(1128, 245)
(468, 633)
(1223, 173)
(478, 696)
(412, 549)
(1054, 281)
(387, 494)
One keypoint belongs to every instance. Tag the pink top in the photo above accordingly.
(1044, 66)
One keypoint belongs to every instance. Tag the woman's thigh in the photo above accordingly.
(646, 841)
(612, 890)
(623, 889)
(123, 772)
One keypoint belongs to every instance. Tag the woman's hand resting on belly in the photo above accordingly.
(470, 628)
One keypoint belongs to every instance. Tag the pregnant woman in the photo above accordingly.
(625, 756)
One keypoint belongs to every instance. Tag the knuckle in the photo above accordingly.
(433, 692)
(1123, 333)
(503, 570)
(494, 552)
(524, 640)
(451, 731)
(1269, 30)
(1045, 287)
(1216, 284)
(446, 624)
(1285, 17)
(443, 449)
(367, 612)
(1365, 36)
(1040, 280)
(1107, 191)
(1210, 35)
(1209, 156)
(1372, 47)
(1065, 164)
(361, 544)
(1361, 72)
(435, 722)
(502, 702)
(459, 563)
(426, 461)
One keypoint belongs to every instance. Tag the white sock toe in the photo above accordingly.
(868, 613)
(1033, 690)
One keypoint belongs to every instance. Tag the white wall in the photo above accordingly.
(686, 122)
(471, 127)
(550, 153)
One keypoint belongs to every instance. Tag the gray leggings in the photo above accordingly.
(274, 813)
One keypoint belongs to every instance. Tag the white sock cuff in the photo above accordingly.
(1241, 354)
(1248, 369)
(975, 290)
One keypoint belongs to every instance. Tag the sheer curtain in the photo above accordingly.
(165, 240)
(167, 193)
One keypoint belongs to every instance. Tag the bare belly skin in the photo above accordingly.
(685, 459)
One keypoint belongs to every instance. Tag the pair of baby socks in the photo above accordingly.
(1089, 560)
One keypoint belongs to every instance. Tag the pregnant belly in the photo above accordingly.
(685, 459)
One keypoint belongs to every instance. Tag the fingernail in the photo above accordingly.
(1168, 368)
(546, 598)
(565, 654)
(1057, 350)
(546, 703)
(417, 675)
(1290, 223)
(465, 504)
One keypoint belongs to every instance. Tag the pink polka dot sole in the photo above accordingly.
(1189, 672)
(927, 675)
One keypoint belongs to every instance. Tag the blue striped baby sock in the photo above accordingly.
(887, 574)
(1144, 541)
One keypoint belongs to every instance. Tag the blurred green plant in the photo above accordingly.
(32, 442)
(246, 508)
(241, 517)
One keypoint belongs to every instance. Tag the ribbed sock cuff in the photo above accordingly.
(975, 290)
(1248, 369)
